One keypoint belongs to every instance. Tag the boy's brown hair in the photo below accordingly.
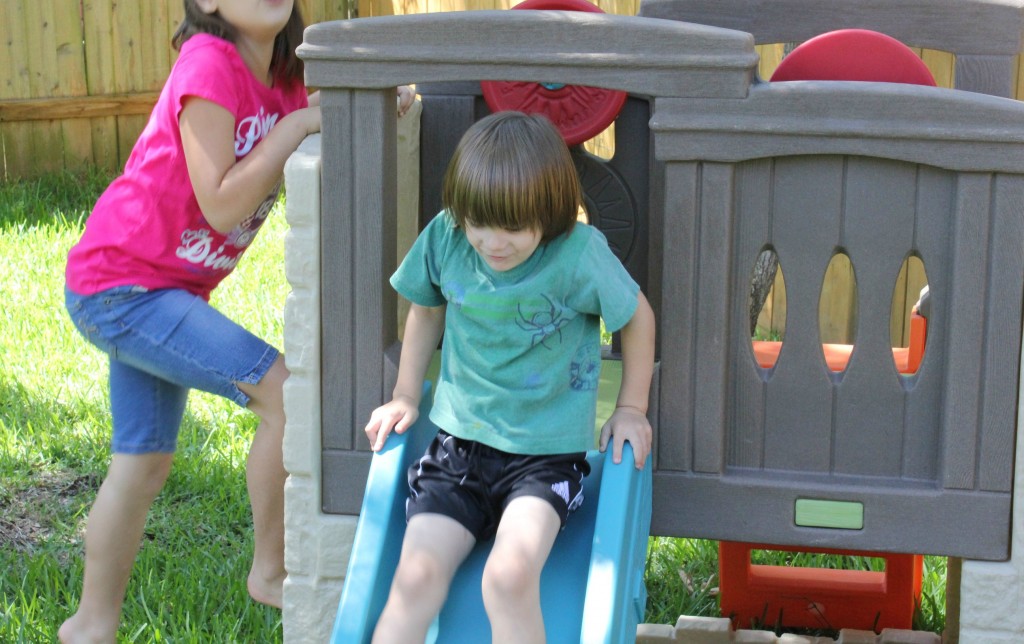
(285, 64)
(513, 171)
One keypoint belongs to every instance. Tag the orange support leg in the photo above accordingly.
(799, 597)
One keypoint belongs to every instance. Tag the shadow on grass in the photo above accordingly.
(66, 195)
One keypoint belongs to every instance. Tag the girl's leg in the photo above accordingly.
(177, 339)
(511, 578)
(113, 532)
(265, 477)
(146, 413)
(432, 550)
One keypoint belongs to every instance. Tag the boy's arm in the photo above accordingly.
(423, 328)
(629, 420)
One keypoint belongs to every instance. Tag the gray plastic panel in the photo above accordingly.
(866, 435)
(359, 142)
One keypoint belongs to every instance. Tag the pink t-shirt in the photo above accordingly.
(147, 229)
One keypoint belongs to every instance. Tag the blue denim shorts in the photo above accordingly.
(161, 344)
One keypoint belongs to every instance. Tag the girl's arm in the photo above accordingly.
(629, 420)
(229, 192)
(423, 328)
(406, 95)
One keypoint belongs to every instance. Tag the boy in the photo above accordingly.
(518, 288)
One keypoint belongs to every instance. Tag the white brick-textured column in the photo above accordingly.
(317, 545)
(992, 593)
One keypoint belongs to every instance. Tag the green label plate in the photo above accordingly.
(818, 513)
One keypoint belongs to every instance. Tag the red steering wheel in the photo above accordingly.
(579, 112)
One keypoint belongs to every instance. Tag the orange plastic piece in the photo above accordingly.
(820, 598)
(918, 336)
(837, 356)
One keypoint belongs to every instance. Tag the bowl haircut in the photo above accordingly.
(513, 171)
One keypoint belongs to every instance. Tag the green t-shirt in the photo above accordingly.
(521, 355)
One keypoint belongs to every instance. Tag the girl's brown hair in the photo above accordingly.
(284, 64)
(513, 171)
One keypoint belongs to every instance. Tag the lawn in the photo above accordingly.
(189, 581)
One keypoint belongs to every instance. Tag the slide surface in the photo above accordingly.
(592, 587)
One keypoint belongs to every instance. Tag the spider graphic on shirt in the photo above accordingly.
(585, 370)
(543, 324)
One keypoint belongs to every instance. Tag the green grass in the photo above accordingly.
(188, 583)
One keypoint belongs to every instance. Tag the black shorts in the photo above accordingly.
(473, 483)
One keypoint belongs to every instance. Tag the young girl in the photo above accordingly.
(195, 191)
(517, 287)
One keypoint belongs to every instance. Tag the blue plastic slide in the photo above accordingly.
(592, 587)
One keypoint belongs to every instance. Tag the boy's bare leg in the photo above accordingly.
(113, 532)
(433, 548)
(265, 477)
(511, 579)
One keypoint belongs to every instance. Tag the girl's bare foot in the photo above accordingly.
(76, 630)
(266, 591)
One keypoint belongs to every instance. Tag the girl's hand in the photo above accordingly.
(307, 118)
(406, 96)
(397, 415)
(628, 424)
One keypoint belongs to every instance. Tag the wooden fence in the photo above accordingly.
(82, 76)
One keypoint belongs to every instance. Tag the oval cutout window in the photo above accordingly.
(837, 312)
(908, 320)
(767, 308)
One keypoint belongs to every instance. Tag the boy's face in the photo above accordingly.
(503, 249)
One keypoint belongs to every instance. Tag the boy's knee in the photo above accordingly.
(416, 576)
(508, 578)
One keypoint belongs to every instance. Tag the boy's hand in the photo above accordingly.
(397, 415)
(628, 424)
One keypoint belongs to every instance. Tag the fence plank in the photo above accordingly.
(69, 49)
(940, 64)
(126, 71)
(837, 306)
(97, 21)
(1019, 93)
(12, 57)
(47, 145)
(77, 107)
(14, 137)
